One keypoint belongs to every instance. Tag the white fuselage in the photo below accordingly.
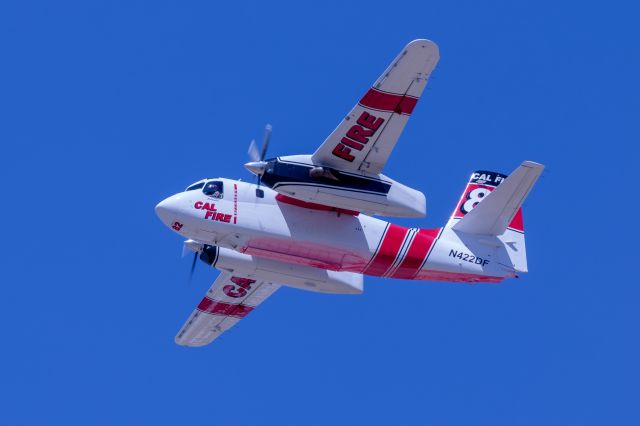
(276, 229)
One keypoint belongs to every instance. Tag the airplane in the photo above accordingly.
(308, 221)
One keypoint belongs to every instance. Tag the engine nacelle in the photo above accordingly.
(296, 176)
(298, 276)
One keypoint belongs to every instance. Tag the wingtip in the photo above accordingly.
(421, 41)
(424, 44)
(533, 164)
(190, 344)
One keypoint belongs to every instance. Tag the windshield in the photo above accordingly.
(196, 185)
(213, 188)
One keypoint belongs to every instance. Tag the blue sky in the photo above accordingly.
(109, 107)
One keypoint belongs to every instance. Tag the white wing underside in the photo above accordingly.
(390, 102)
(230, 298)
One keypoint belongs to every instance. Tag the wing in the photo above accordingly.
(230, 298)
(365, 138)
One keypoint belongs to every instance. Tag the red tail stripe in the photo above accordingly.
(221, 308)
(517, 223)
(420, 246)
(389, 248)
(389, 102)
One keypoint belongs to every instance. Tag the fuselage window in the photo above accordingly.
(195, 186)
(213, 189)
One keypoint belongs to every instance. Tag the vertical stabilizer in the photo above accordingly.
(490, 208)
(491, 213)
(481, 183)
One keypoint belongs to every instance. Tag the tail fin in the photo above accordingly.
(491, 206)
(501, 198)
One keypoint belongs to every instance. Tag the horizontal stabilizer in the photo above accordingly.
(493, 214)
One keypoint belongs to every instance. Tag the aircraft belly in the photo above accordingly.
(316, 238)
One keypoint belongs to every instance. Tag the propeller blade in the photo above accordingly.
(193, 265)
(265, 141)
(254, 154)
(257, 164)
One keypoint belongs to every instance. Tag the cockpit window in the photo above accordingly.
(213, 188)
(195, 186)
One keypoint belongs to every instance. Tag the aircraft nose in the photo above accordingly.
(165, 211)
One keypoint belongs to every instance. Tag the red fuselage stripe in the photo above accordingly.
(221, 308)
(391, 102)
(414, 258)
(388, 251)
(313, 206)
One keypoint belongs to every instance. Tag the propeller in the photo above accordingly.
(265, 141)
(257, 164)
(196, 248)
(193, 265)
